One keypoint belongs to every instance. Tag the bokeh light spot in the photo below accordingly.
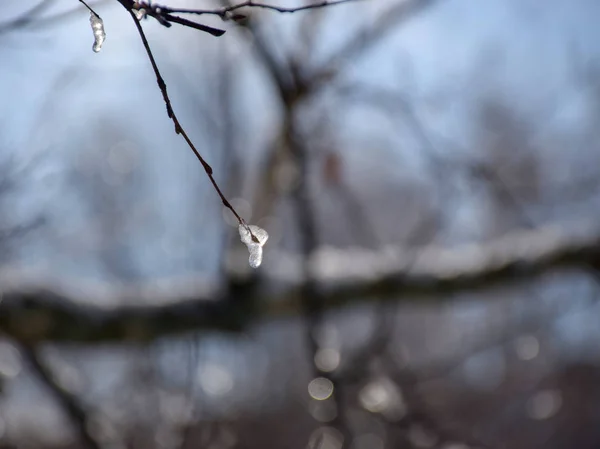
(215, 380)
(527, 347)
(320, 388)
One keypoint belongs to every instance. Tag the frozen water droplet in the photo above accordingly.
(254, 238)
(98, 30)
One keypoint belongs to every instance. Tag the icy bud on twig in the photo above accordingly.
(98, 30)
(254, 238)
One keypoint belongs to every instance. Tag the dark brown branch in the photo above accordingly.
(178, 128)
(89, 8)
(33, 313)
(224, 12)
(164, 16)
(188, 23)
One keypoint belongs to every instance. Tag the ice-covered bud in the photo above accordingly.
(254, 238)
(98, 30)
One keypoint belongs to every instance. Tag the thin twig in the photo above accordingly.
(89, 7)
(178, 128)
(163, 16)
(188, 23)
(222, 12)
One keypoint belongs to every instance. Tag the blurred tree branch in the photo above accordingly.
(26, 18)
(33, 313)
(364, 40)
(69, 402)
(35, 18)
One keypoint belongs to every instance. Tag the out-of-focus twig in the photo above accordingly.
(365, 39)
(27, 17)
(357, 364)
(33, 18)
(68, 401)
(310, 299)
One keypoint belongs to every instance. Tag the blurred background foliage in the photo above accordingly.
(364, 125)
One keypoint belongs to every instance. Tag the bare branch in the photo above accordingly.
(33, 313)
(225, 12)
(178, 128)
(164, 17)
(89, 8)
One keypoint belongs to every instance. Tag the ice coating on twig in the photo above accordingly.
(254, 238)
(98, 30)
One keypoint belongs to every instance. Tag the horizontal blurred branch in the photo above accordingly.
(32, 312)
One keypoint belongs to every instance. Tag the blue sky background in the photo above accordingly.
(60, 101)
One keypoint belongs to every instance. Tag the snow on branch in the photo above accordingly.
(33, 312)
